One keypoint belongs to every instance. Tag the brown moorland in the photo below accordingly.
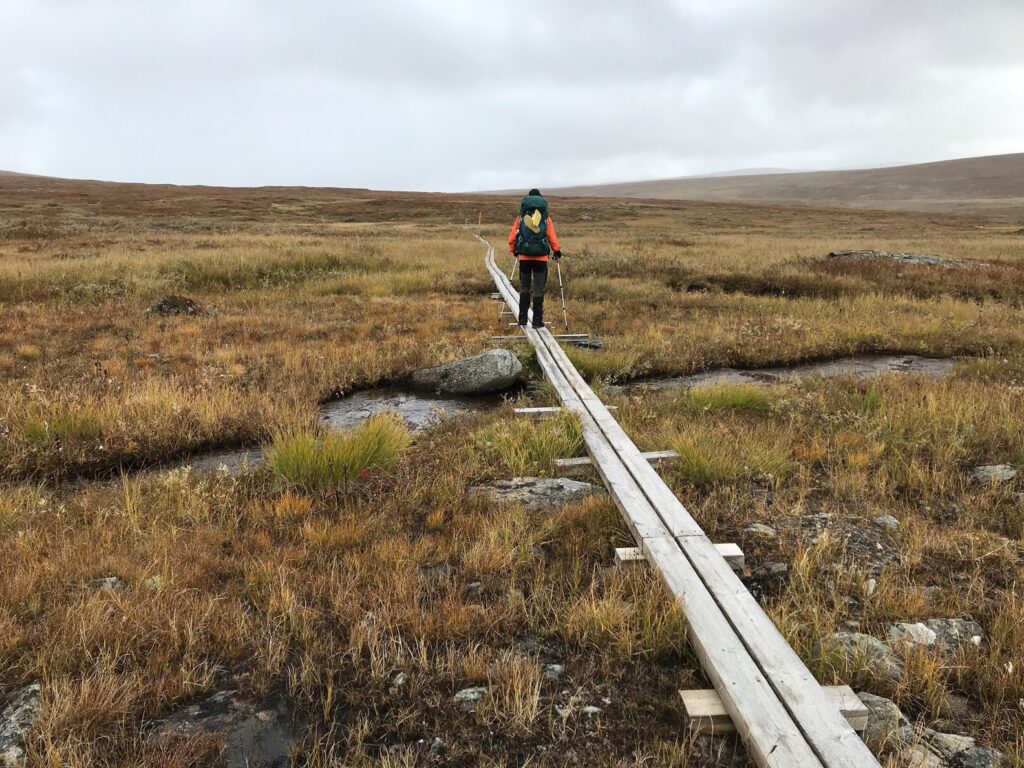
(287, 582)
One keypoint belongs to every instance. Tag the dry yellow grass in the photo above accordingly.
(324, 597)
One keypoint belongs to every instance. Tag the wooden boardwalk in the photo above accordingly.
(782, 714)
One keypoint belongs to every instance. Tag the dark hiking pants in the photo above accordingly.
(533, 276)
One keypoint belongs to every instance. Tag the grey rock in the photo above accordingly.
(398, 683)
(903, 258)
(994, 474)
(761, 532)
(775, 570)
(468, 697)
(537, 492)
(438, 746)
(256, 736)
(862, 651)
(590, 710)
(474, 588)
(491, 371)
(16, 721)
(951, 634)
(887, 523)
(588, 343)
(887, 727)
(108, 582)
(553, 671)
(910, 634)
(948, 750)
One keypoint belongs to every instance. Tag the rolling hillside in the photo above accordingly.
(993, 184)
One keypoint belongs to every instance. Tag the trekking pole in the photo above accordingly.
(561, 290)
(515, 263)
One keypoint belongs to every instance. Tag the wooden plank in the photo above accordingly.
(706, 714)
(546, 410)
(731, 553)
(832, 738)
(584, 462)
(772, 737)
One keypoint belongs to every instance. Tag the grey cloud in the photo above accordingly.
(468, 94)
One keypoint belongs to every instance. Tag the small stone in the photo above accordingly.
(910, 634)
(887, 523)
(474, 588)
(761, 532)
(590, 710)
(16, 720)
(175, 305)
(399, 682)
(438, 747)
(994, 474)
(775, 570)
(553, 671)
(107, 582)
(468, 697)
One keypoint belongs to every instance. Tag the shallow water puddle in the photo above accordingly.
(419, 409)
(861, 366)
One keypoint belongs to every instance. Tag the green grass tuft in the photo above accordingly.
(745, 398)
(312, 463)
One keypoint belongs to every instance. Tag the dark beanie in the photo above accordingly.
(534, 192)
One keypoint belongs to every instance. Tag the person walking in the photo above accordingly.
(532, 240)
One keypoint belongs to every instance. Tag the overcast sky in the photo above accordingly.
(474, 94)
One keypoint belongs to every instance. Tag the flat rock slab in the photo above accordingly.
(994, 474)
(926, 259)
(492, 371)
(256, 736)
(537, 492)
(16, 720)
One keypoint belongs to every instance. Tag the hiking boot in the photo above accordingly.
(538, 312)
(524, 307)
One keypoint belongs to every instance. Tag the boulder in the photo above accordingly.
(492, 371)
(16, 720)
(994, 474)
(858, 650)
(468, 697)
(256, 736)
(536, 492)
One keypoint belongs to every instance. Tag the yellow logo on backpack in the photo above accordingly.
(532, 220)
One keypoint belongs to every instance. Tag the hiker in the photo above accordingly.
(531, 240)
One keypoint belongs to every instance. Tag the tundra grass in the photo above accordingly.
(312, 580)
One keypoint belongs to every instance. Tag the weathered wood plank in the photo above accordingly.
(731, 553)
(773, 739)
(584, 462)
(705, 712)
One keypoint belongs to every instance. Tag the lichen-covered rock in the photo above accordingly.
(951, 634)
(857, 650)
(16, 720)
(760, 532)
(887, 728)
(994, 474)
(492, 371)
(926, 259)
(910, 634)
(887, 523)
(948, 750)
(256, 736)
(536, 492)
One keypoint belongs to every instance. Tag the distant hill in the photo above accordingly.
(993, 184)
